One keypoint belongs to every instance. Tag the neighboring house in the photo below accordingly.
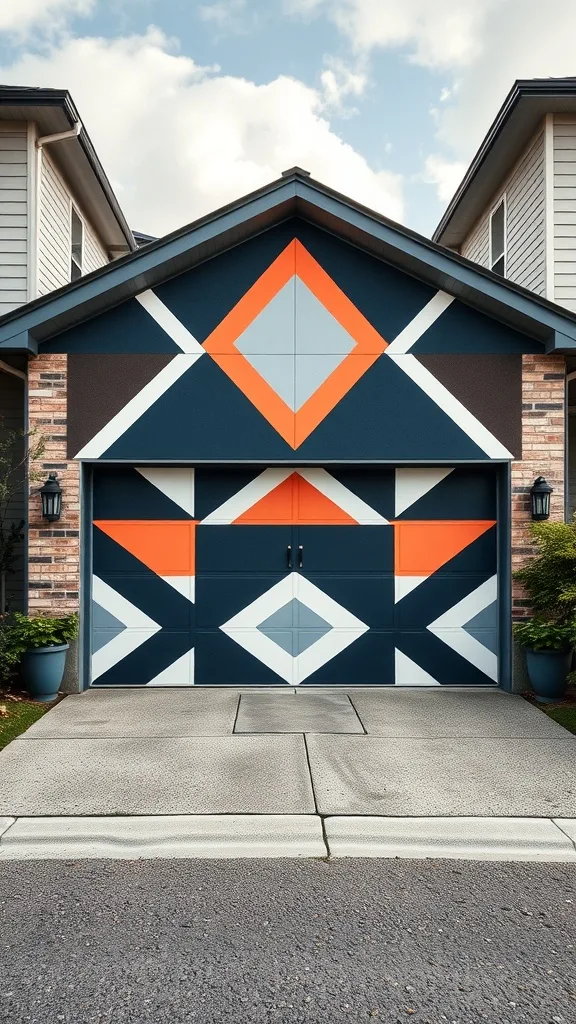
(292, 429)
(515, 213)
(59, 219)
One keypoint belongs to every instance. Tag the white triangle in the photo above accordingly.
(185, 585)
(179, 673)
(404, 585)
(412, 484)
(408, 673)
(177, 484)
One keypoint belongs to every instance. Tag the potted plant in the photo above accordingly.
(549, 579)
(548, 648)
(41, 644)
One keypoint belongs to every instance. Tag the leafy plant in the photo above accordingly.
(41, 631)
(18, 450)
(542, 635)
(549, 578)
(18, 633)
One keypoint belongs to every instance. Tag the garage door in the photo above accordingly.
(294, 576)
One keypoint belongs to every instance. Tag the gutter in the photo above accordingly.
(28, 96)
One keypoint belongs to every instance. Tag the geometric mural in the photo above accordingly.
(294, 576)
(297, 366)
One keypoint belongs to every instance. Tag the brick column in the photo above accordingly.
(53, 548)
(543, 450)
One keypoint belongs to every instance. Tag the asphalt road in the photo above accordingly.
(287, 941)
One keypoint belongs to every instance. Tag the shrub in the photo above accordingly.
(550, 577)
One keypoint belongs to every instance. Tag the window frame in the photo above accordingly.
(74, 264)
(504, 254)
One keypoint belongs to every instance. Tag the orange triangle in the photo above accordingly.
(274, 508)
(167, 547)
(298, 502)
(313, 508)
(422, 547)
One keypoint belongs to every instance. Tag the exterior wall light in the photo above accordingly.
(540, 499)
(51, 493)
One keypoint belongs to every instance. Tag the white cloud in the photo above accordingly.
(439, 34)
(178, 140)
(20, 15)
(446, 175)
(339, 82)
(229, 15)
(482, 46)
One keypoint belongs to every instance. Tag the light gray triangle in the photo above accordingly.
(283, 637)
(317, 331)
(486, 619)
(103, 619)
(284, 618)
(309, 619)
(304, 638)
(277, 371)
(487, 637)
(272, 331)
(311, 372)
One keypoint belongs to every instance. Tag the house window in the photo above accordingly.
(498, 239)
(77, 250)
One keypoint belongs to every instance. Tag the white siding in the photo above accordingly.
(54, 231)
(525, 222)
(94, 254)
(565, 210)
(13, 215)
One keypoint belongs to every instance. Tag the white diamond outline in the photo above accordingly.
(243, 629)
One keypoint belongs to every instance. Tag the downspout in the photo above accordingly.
(44, 140)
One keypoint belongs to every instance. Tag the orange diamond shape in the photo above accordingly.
(295, 425)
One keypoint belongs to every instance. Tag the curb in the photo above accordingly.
(295, 836)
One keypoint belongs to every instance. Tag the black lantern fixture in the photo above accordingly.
(540, 499)
(51, 494)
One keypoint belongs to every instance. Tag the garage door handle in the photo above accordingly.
(289, 556)
(300, 555)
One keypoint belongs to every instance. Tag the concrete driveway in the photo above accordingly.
(388, 752)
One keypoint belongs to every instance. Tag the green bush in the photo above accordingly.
(550, 577)
(18, 633)
(540, 635)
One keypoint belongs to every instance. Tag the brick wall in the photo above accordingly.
(543, 446)
(54, 548)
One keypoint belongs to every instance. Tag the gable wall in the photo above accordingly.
(54, 230)
(525, 222)
(565, 210)
(13, 215)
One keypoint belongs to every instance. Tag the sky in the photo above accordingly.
(192, 104)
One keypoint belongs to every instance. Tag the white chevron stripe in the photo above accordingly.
(139, 628)
(168, 322)
(137, 406)
(344, 498)
(448, 627)
(420, 324)
(446, 401)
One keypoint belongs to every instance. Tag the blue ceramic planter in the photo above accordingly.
(547, 671)
(42, 669)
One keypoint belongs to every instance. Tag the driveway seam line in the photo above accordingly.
(355, 709)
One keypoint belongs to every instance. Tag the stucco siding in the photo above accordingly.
(54, 232)
(13, 215)
(524, 190)
(565, 210)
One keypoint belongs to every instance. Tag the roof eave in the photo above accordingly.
(26, 96)
(290, 195)
(522, 89)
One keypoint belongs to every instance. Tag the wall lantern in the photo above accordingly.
(540, 499)
(51, 494)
